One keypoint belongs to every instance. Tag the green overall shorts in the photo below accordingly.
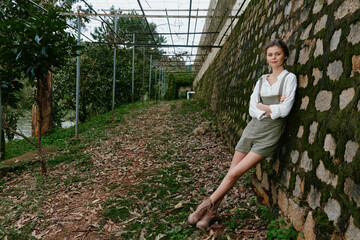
(262, 136)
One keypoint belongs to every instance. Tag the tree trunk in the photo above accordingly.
(44, 91)
(44, 102)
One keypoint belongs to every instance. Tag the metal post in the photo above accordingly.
(155, 78)
(163, 83)
(150, 77)
(133, 74)
(159, 84)
(77, 79)
(143, 79)
(113, 93)
(189, 73)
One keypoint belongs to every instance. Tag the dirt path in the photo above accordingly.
(141, 181)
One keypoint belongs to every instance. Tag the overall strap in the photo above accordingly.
(260, 84)
(282, 85)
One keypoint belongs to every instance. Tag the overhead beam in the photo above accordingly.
(173, 45)
(139, 16)
(157, 10)
(197, 14)
(232, 20)
(187, 39)
(170, 29)
(161, 46)
(171, 33)
(146, 20)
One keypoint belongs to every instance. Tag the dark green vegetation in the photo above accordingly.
(147, 171)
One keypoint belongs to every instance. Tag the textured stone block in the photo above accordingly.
(335, 70)
(352, 190)
(330, 144)
(354, 36)
(320, 24)
(333, 210)
(352, 232)
(319, 50)
(309, 226)
(296, 215)
(335, 40)
(304, 103)
(323, 101)
(276, 165)
(346, 97)
(304, 15)
(350, 150)
(278, 18)
(306, 162)
(297, 189)
(258, 172)
(303, 81)
(298, 4)
(283, 201)
(313, 131)
(291, 58)
(300, 132)
(347, 7)
(313, 197)
(294, 154)
(355, 65)
(305, 34)
(318, 6)
(317, 74)
(305, 52)
(325, 175)
(288, 8)
(265, 181)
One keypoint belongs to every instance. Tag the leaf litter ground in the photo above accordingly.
(139, 180)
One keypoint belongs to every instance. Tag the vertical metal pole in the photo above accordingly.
(150, 77)
(163, 83)
(143, 79)
(133, 74)
(77, 79)
(155, 78)
(189, 73)
(113, 92)
(159, 84)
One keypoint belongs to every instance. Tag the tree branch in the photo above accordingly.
(17, 133)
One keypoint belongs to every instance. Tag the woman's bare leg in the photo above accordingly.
(238, 156)
(235, 172)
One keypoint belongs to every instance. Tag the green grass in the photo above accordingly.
(92, 129)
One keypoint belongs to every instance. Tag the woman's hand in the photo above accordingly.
(282, 99)
(260, 106)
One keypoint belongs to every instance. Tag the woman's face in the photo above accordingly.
(275, 56)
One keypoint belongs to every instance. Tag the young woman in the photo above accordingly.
(270, 102)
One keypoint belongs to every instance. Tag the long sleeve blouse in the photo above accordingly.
(277, 110)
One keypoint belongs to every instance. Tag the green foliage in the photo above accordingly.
(277, 230)
(36, 41)
(323, 225)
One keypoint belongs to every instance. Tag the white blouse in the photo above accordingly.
(277, 110)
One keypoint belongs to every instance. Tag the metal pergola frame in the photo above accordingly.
(158, 66)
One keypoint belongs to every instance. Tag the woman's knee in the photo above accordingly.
(232, 176)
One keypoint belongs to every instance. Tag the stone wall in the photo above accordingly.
(314, 181)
